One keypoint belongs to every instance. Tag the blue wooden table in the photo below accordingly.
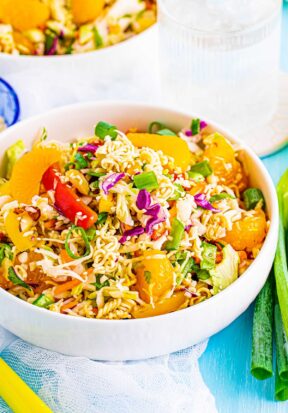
(225, 365)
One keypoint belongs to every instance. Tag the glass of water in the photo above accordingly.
(220, 58)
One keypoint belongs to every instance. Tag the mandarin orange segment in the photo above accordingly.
(155, 276)
(84, 11)
(247, 233)
(172, 146)
(28, 171)
(168, 305)
(22, 43)
(24, 14)
(221, 156)
(21, 242)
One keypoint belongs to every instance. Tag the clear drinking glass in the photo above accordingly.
(220, 58)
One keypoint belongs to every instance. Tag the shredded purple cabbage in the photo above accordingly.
(203, 124)
(188, 227)
(201, 201)
(157, 216)
(89, 147)
(143, 200)
(188, 133)
(131, 233)
(110, 181)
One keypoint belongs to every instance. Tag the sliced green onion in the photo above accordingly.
(43, 301)
(219, 197)
(91, 233)
(176, 234)
(94, 185)
(67, 165)
(98, 283)
(96, 174)
(281, 344)
(5, 252)
(98, 41)
(179, 192)
(104, 129)
(281, 387)
(166, 132)
(280, 262)
(102, 217)
(13, 277)
(252, 197)
(208, 261)
(80, 161)
(203, 168)
(196, 176)
(160, 129)
(262, 338)
(195, 126)
(85, 239)
(146, 180)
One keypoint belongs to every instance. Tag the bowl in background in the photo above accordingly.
(136, 338)
(44, 82)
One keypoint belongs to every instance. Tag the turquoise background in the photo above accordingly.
(225, 365)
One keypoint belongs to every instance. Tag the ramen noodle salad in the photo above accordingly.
(57, 27)
(119, 226)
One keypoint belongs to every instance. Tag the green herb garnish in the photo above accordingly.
(104, 129)
(80, 161)
(13, 277)
(102, 217)
(84, 236)
(195, 126)
(203, 168)
(219, 197)
(146, 180)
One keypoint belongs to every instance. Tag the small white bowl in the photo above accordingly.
(148, 337)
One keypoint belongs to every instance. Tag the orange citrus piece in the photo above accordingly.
(155, 276)
(28, 171)
(23, 44)
(170, 145)
(168, 305)
(222, 159)
(24, 14)
(84, 11)
(12, 227)
(248, 232)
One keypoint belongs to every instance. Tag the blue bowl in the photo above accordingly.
(9, 103)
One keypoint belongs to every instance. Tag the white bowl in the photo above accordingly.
(148, 337)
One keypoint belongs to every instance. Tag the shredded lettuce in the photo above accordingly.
(122, 210)
(226, 272)
(12, 154)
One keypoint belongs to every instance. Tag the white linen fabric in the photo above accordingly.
(167, 384)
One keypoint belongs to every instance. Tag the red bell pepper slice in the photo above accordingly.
(51, 177)
(67, 201)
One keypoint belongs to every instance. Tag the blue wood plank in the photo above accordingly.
(226, 363)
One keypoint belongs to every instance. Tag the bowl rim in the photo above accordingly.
(79, 56)
(15, 98)
(268, 245)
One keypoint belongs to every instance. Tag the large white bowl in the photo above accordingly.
(141, 338)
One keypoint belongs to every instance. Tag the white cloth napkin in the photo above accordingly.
(167, 384)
